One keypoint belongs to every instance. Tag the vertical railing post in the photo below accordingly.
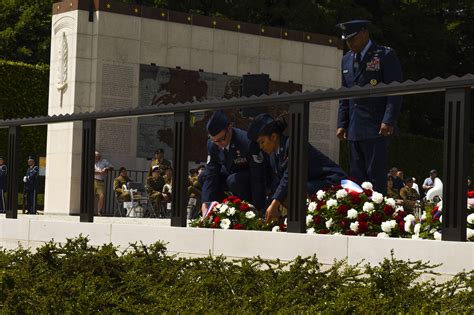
(87, 170)
(12, 175)
(298, 167)
(180, 163)
(456, 163)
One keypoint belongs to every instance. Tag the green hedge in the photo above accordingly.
(24, 92)
(414, 155)
(79, 278)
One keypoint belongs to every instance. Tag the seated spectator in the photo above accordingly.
(159, 160)
(120, 185)
(194, 188)
(397, 181)
(168, 176)
(409, 195)
(155, 184)
(430, 181)
(391, 191)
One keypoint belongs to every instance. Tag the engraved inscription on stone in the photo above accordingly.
(117, 80)
(114, 136)
(111, 103)
(320, 115)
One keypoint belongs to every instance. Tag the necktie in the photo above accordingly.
(356, 63)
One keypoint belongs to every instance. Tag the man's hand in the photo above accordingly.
(272, 210)
(386, 130)
(341, 133)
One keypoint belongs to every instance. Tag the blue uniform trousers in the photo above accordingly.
(368, 162)
(31, 200)
(2, 200)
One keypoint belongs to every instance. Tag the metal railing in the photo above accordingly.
(456, 160)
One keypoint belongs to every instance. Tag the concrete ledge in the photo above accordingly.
(33, 231)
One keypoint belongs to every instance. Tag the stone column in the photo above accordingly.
(69, 92)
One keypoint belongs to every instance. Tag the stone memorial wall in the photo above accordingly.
(99, 59)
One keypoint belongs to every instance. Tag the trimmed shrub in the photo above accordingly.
(24, 93)
(79, 278)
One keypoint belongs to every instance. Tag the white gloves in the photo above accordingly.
(25, 179)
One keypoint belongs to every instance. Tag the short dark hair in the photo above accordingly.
(160, 150)
(122, 169)
(408, 179)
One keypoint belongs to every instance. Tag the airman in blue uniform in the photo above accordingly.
(31, 185)
(367, 123)
(3, 183)
(322, 171)
(234, 164)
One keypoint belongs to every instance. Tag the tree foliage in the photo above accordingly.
(25, 30)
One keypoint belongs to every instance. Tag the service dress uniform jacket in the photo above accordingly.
(362, 117)
(31, 188)
(119, 181)
(3, 186)
(156, 162)
(322, 171)
(240, 170)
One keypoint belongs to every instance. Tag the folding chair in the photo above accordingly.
(119, 208)
(141, 204)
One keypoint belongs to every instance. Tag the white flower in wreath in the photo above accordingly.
(331, 203)
(417, 228)
(337, 233)
(354, 226)
(409, 217)
(329, 223)
(341, 193)
(225, 224)
(310, 231)
(320, 194)
(367, 185)
(352, 214)
(408, 225)
(388, 226)
(309, 219)
(469, 233)
(470, 218)
(441, 218)
(231, 211)
(312, 206)
(415, 237)
(276, 229)
(377, 197)
(437, 236)
(249, 214)
(390, 202)
(423, 216)
(223, 208)
(398, 209)
(368, 207)
(383, 235)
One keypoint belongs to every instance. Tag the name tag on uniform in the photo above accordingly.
(345, 71)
